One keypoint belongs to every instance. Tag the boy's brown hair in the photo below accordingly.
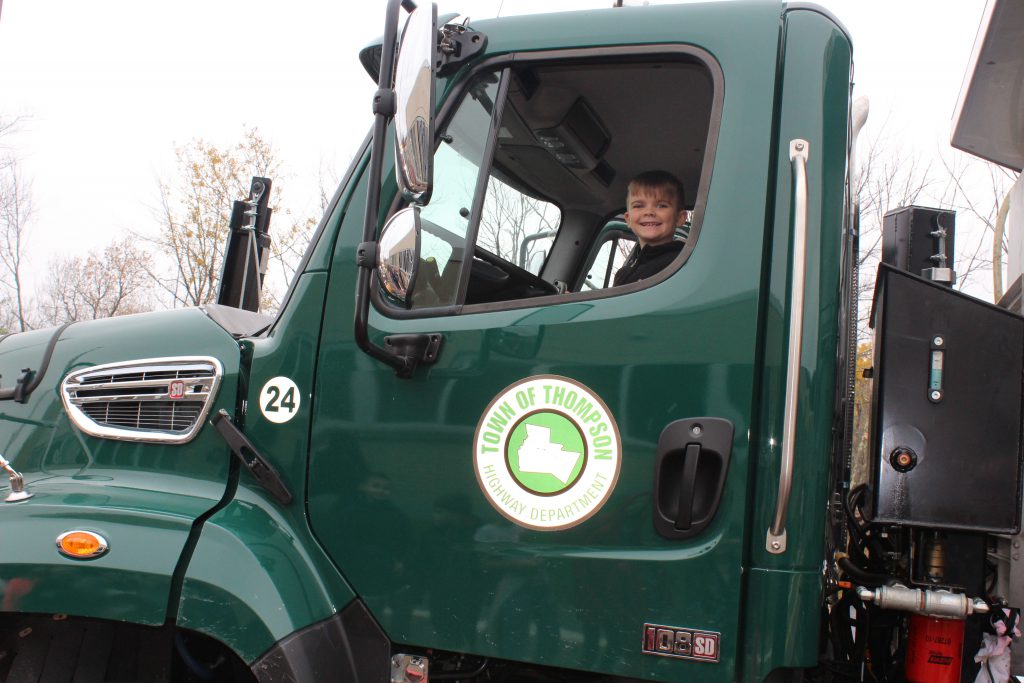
(658, 180)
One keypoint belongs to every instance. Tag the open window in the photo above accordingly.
(531, 173)
(613, 248)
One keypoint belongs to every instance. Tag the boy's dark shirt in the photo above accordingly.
(647, 261)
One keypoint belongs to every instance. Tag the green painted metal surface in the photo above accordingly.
(394, 499)
(143, 498)
(393, 496)
(782, 621)
(146, 532)
(257, 574)
(813, 105)
(256, 577)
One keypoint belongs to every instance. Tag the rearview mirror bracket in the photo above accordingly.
(401, 354)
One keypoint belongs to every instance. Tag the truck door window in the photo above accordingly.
(446, 217)
(551, 169)
(614, 247)
(611, 255)
(516, 226)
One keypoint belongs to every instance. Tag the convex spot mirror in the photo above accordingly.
(398, 255)
(414, 104)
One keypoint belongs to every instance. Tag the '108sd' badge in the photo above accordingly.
(681, 643)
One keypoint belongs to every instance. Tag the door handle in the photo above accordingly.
(688, 487)
(690, 471)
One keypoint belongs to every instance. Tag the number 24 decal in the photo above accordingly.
(288, 402)
(279, 399)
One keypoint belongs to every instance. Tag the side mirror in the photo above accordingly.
(395, 257)
(398, 255)
(414, 104)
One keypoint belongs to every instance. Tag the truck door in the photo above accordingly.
(567, 483)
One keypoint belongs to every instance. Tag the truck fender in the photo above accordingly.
(257, 577)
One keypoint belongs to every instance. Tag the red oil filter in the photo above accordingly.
(934, 649)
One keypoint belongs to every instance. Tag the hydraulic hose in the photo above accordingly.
(861, 576)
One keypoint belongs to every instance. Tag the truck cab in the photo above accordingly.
(458, 451)
(687, 367)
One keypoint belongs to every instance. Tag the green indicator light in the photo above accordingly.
(935, 377)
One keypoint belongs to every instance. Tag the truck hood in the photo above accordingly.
(127, 481)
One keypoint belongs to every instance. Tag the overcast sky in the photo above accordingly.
(108, 89)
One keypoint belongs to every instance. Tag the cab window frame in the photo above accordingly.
(454, 97)
(603, 237)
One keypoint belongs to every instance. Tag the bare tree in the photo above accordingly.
(195, 211)
(510, 217)
(15, 213)
(977, 190)
(100, 285)
(7, 126)
(889, 179)
(886, 179)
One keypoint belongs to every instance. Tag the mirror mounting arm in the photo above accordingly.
(458, 45)
(404, 365)
(384, 102)
(380, 123)
(414, 349)
(403, 352)
(405, 94)
(366, 255)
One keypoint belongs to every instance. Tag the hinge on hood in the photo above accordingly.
(29, 380)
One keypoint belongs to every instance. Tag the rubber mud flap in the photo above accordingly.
(349, 646)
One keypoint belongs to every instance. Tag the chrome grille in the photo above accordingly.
(170, 417)
(161, 399)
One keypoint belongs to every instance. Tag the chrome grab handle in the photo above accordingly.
(776, 540)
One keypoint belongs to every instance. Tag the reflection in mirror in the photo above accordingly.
(398, 255)
(414, 91)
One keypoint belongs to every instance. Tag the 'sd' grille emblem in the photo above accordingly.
(176, 390)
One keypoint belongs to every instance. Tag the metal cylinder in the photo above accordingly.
(935, 603)
(934, 650)
(935, 559)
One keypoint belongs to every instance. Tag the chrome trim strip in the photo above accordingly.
(77, 381)
(189, 397)
(775, 542)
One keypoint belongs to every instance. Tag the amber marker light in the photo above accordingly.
(81, 545)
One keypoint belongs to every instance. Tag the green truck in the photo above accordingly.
(459, 453)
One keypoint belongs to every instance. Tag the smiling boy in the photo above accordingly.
(654, 202)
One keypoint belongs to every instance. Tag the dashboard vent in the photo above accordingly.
(162, 400)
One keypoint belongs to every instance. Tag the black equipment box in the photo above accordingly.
(946, 402)
(909, 241)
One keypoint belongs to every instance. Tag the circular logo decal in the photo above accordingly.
(279, 399)
(547, 453)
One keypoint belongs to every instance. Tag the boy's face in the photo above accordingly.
(653, 215)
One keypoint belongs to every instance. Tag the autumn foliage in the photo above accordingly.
(196, 210)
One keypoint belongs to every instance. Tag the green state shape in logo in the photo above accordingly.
(546, 453)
